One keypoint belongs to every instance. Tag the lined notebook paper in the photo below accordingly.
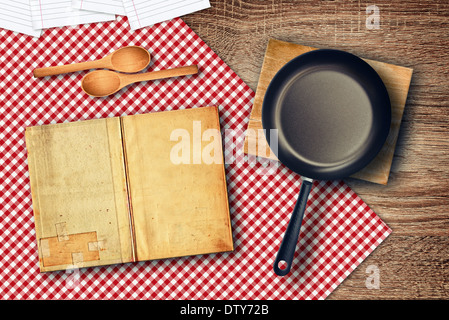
(143, 13)
(30, 16)
(106, 6)
(16, 16)
(59, 13)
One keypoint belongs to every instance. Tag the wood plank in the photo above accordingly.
(410, 267)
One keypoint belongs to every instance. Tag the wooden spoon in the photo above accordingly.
(101, 83)
(126, 59)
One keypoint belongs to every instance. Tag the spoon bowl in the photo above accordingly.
(126, 59)
(101, 83)
(130, 59)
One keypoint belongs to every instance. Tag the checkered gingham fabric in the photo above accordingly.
(339, 230)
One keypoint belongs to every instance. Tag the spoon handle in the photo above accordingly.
(51, 71)
(161, 74)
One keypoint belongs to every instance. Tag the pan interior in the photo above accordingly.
(326, 116)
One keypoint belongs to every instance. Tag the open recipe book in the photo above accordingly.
(130, 188)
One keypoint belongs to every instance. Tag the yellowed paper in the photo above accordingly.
(116, 190)
(178, 209)
(79, 193)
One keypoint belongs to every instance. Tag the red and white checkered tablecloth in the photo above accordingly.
(339, 229)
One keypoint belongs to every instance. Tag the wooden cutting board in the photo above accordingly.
(397, 80)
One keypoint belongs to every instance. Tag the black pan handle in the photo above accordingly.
(288, 245)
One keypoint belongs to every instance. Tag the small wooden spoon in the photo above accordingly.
(101, 83)
(126, 59)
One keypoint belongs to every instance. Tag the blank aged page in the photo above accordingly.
(177, 183)
(79, 194)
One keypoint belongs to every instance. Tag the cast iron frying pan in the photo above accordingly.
(326, 114)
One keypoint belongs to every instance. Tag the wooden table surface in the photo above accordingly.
(413, 261)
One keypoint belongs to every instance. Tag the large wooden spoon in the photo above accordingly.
(101, 83)
(126, 59)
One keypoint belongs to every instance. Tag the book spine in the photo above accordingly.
(128, 191)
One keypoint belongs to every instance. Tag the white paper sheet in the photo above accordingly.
(106, 6)
(59, 13)
(16, 16)
(142, 13)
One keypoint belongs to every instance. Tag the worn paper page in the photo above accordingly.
(178, 209)
(79, 194)
(16, 16)
(143, 13)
